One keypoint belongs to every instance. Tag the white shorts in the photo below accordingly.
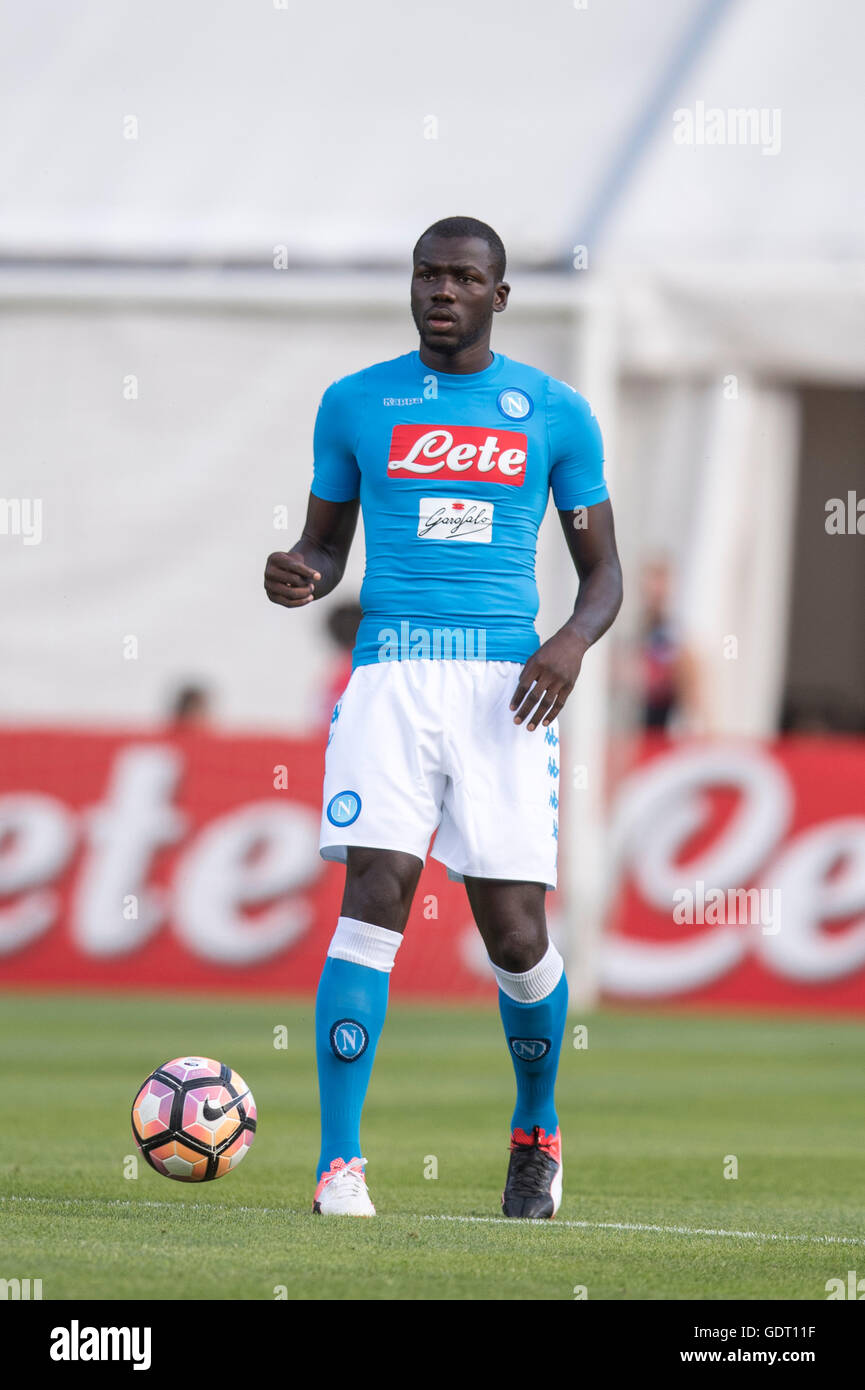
(423, 746)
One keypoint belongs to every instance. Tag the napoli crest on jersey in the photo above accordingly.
(529, 1049)
(515, 404)
(344, 808)
(348, 1039)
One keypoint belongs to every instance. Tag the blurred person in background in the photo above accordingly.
(661, 671)
(669, 677)
(189, 708)
(342, 625)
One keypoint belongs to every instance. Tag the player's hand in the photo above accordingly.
(548, 678)
(288, 579)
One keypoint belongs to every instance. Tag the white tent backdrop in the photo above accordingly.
(340, 132)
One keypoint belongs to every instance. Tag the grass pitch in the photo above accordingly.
(653, 1112)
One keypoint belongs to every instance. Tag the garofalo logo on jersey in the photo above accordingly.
(455, 519)
(460, 450)
(76, 1343)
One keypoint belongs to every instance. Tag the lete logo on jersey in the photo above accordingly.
(471, 453)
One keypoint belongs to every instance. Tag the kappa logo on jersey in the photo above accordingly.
(455, 519)
(516, 405)
(348, 1039)
(529, 1049)
(344, 808)
(464, 451)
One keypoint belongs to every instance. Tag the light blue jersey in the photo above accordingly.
(453, 472)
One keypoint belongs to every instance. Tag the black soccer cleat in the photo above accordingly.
(534, 1185)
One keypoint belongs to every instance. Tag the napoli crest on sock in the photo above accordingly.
(529, 1049)
(349, 1039)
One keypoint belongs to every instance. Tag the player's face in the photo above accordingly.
(454, 293)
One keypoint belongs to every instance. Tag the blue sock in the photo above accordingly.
(534, 1031)
(350, 1010)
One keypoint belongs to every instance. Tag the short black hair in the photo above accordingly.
(469, 226)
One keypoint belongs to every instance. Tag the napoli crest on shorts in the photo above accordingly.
(344, 808)
(529, 1049)
(348, 1039)
(514, 404)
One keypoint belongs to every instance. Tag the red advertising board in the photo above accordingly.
(740, 875)
(142, 861)
(139, 861)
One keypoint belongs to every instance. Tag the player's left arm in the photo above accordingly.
(551, 672)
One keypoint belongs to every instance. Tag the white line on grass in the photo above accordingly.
(640, 1226)
(126, 1202)
(468, 1220)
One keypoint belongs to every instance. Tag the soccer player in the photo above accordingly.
(449, 721)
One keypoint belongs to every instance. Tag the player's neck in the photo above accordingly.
(471, 359)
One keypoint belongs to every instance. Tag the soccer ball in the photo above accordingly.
(193, 1119)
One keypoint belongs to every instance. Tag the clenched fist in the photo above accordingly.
(288, 579)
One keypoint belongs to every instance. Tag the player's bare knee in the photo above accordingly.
(516, 948)
(379, 887)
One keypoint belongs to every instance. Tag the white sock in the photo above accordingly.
(533, 985)
(365, 944)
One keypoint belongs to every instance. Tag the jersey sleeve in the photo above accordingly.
(576, 450)
(336, 476)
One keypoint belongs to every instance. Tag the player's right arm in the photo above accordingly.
(315, 565)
